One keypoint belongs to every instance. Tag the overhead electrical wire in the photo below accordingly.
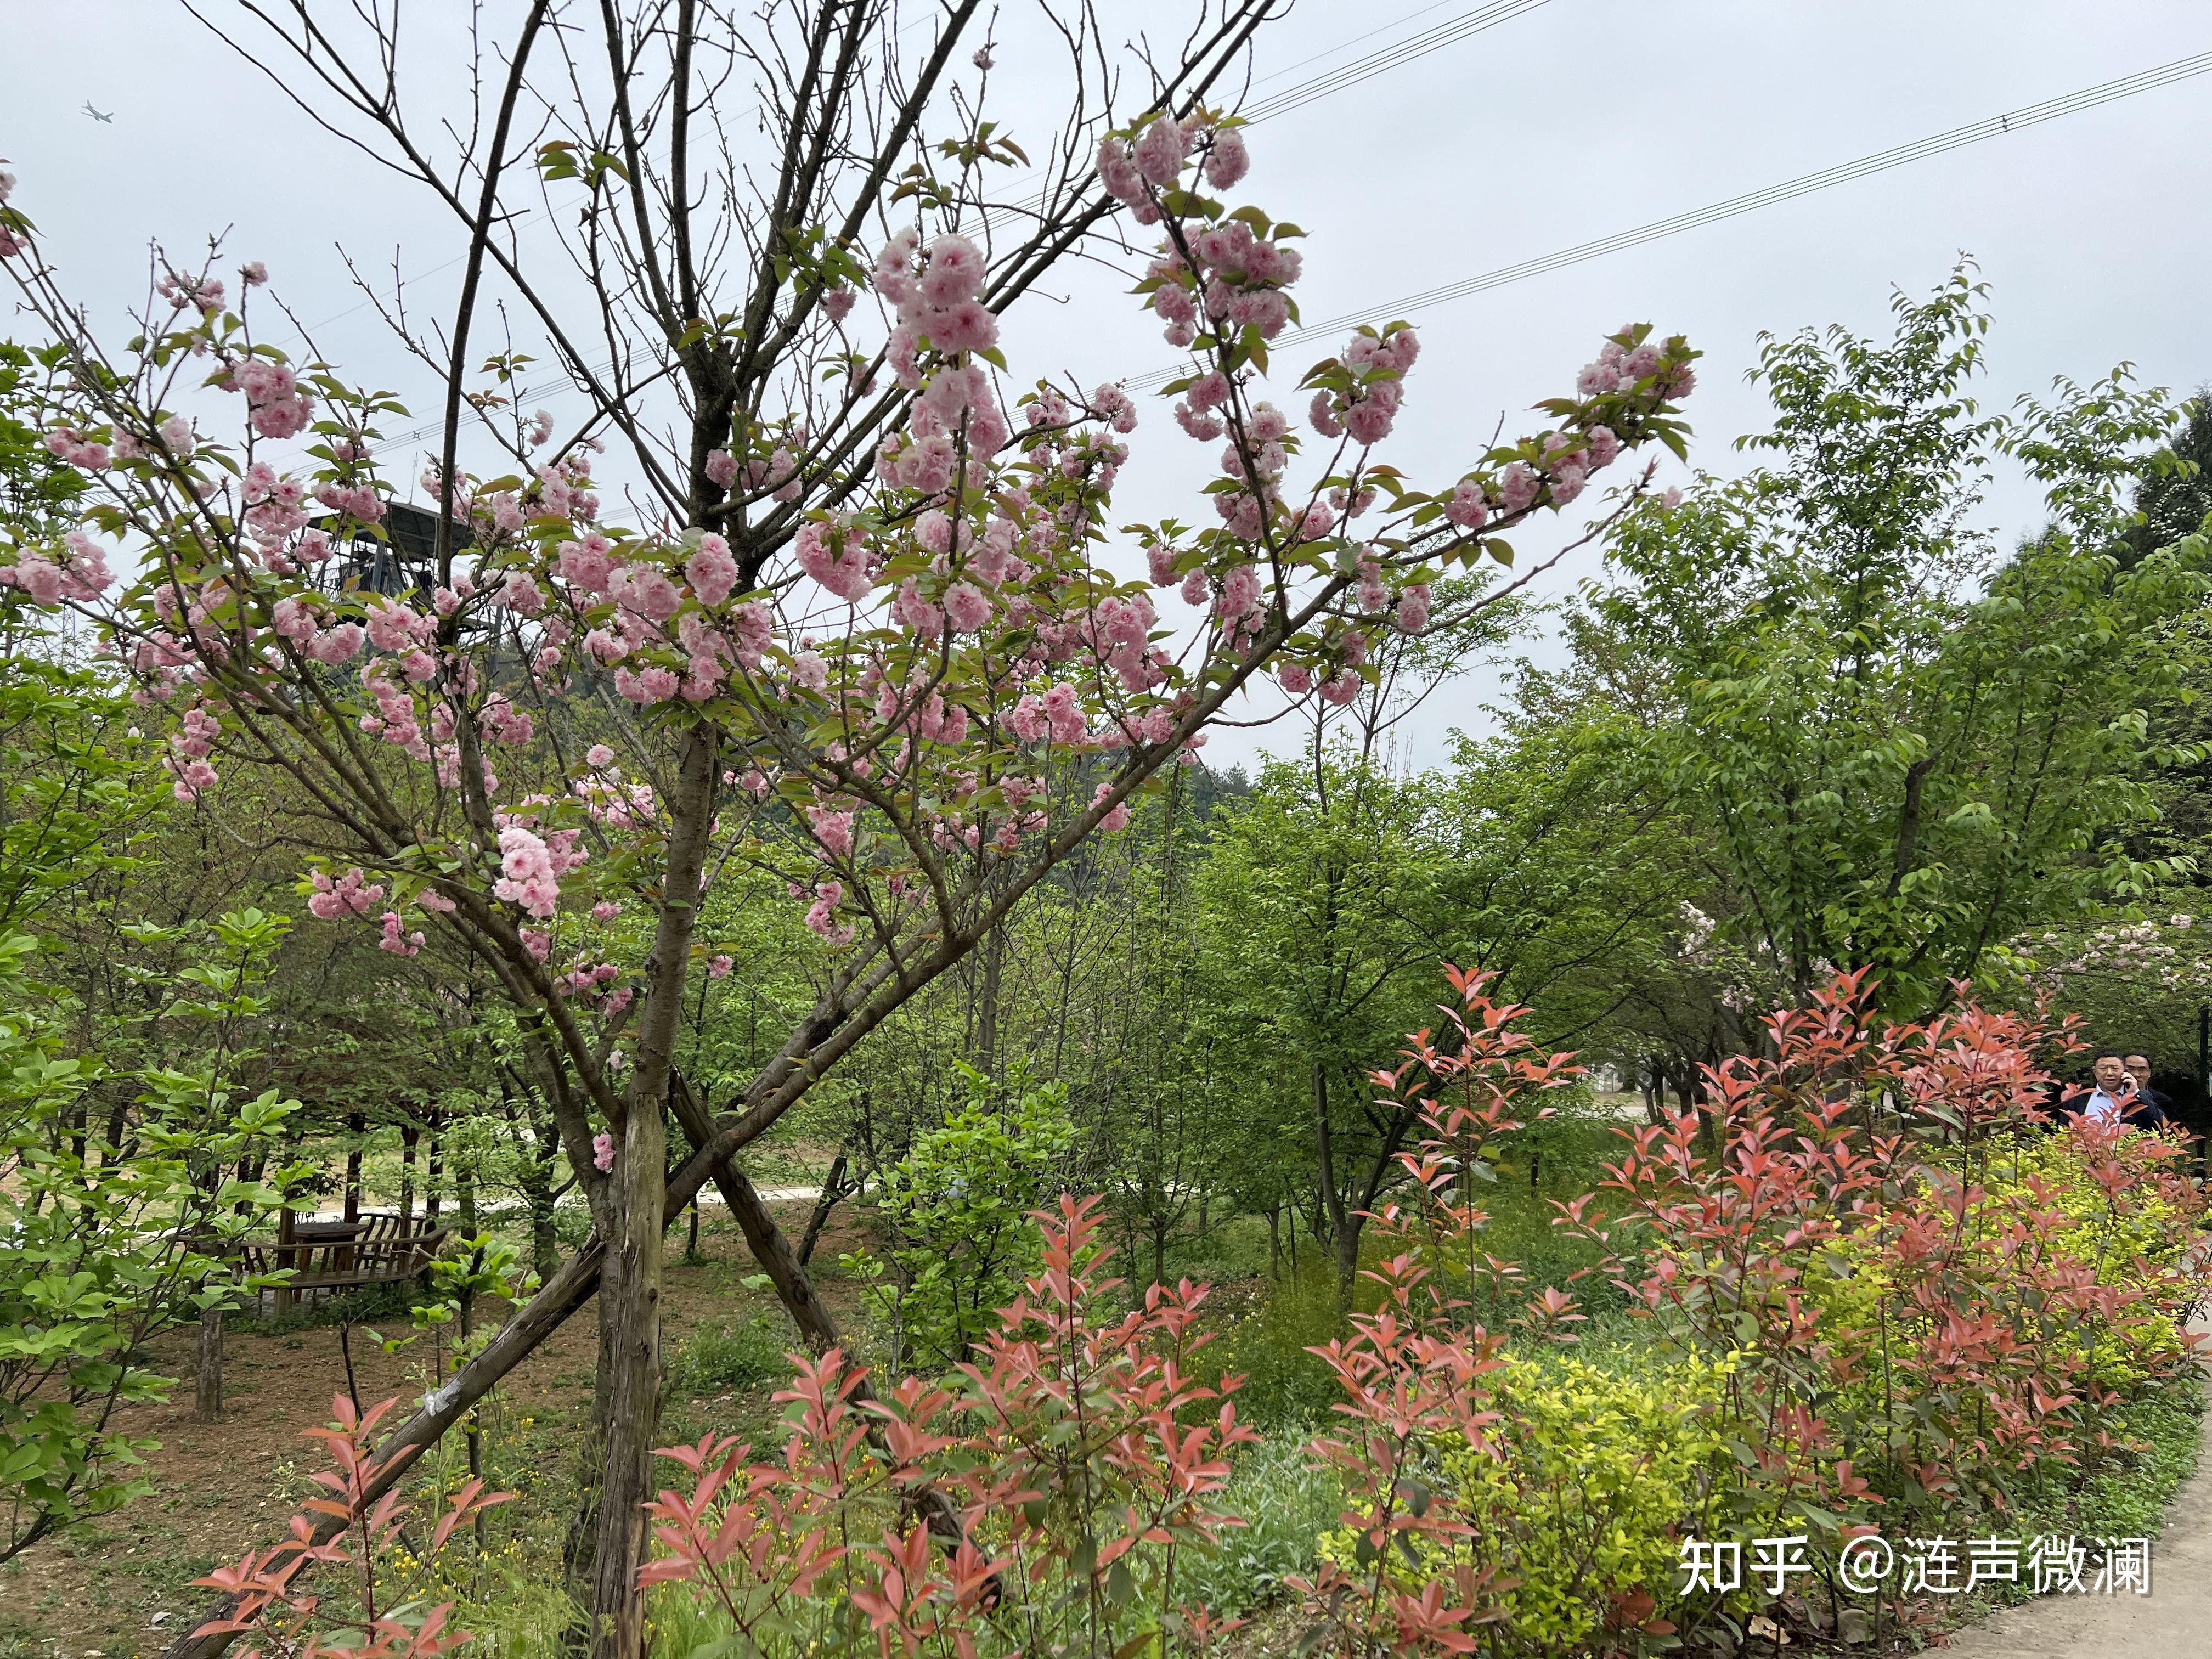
(1974, 132)
(1449, 33)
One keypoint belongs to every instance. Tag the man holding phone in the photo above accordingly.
(2114, 1094)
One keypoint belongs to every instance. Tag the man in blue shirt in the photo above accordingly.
(2113, 1095)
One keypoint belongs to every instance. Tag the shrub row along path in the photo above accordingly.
(2174, 1621)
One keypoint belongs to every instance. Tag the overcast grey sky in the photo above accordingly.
(1578, 119)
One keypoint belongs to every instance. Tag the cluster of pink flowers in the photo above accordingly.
(836, 554)
(617, 805)
(938, 304)
(526, 876)
(351, 894)
(833, 829)
(394, 720)
(1367, 406)
(188, 747)
(203, 294)
(777, 472)
(277, 407)
(80, 573)
(564, 489)
(68, 444)
(822, 915)
(1621, 368)
(504, 723)
(587, 980)
(711, 570)
(1134, 173)
(1117, 816)
(356, 501)
(1056, 714)
(395, 937)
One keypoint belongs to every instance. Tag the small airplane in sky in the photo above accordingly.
(108, 119)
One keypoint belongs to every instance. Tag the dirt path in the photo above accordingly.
(2174, 1621)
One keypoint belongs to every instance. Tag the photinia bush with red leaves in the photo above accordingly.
(1081, 1460)
(362, 1619)
(1893, 1297)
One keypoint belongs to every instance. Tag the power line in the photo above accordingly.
(1331, 51)
(1448, 33)
(2181, 69)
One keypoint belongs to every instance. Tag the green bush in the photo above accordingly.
(958, 1207)
(728, 1356)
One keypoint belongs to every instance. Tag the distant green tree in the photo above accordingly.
(958, 1207)
(2175, 499)
(1906, 748)
(1323, 929)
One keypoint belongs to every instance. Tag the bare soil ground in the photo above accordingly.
(119, 1588)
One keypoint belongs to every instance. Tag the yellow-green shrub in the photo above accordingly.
(1581, 1493)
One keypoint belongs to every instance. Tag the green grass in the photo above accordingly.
(1289, 1504)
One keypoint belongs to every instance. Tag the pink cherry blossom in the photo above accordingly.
(351, 894)
(1229, 160)
(1160, 152)
(712, 571)
(966, 608)
(1118, 816)
(395, 938)
(834, 829)
(527, 873)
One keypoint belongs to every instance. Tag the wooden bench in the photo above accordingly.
(328, 1256)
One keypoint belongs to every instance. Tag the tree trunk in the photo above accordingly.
(639, 1188)
(1343, 1227)
(987, 1024)
(632, 1352)
(408, 1137)
(431, 1182)
(207, 1403)
(832, 1191)
(534, 1174)
(1347, 1260)
(356, 1126)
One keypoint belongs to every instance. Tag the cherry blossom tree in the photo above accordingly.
(866, 630)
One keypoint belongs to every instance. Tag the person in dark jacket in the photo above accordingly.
(2157, 1107)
